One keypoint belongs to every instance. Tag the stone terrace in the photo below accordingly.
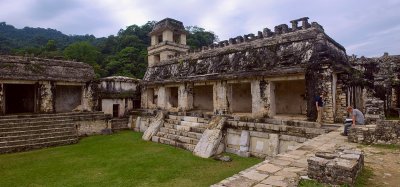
(286, 169)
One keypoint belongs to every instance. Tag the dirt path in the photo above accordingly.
(385, 164)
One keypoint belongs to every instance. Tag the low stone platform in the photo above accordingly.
(384, 132)
(338, 168)
(286, 169)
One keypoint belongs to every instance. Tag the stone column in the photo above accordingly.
(394, 98)
(46, 100)
(221, 105)
(161, 98)
(326, 85)
(185, 97)
(261, 98)
(88, 102)
(2, 101)
(340, 102)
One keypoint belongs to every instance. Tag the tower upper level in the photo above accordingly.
(168, 39)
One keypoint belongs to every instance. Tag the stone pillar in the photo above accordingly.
(274, 144)
(47, 100)
(162, 98)
(88, 102)
(154, 40)
(185, 97)
(326, 85)
(260, 98)
(2, 101)
(394, 98)
(341, 113)
(221, 105)
(183, 39)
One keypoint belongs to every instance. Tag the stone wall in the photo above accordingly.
(338, 168)
(384, 132)
(259, 144)
(91, 127)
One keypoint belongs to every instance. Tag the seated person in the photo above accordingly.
(357, 118)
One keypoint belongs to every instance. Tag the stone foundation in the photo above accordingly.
(338, 168)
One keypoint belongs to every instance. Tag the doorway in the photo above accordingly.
(115, 110)
(20, 98)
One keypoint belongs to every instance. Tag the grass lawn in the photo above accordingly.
(121, 159)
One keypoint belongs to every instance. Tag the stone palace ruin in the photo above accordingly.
(251, 95)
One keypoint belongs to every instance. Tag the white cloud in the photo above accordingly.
(365, 27)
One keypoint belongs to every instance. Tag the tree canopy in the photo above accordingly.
(124, 54)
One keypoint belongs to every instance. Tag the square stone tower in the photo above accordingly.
(168, 39)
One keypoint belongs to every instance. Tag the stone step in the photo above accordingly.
(185, 128)
(188, 119)
(193, 124)
(39, 131)
(181, 133)
(37, 140)
(119, 123)
(177, 138)
(197, 129)
(174, 143)
(19, 116)
(34, 123)
(26, 147)
(66, 132)
(37, 127)
(173, 121)
(53, 118)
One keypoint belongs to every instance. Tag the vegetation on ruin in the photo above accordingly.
(124, 54)
(121, 159)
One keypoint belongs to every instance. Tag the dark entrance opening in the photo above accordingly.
(20, 98)
(115, 110)
(67, 97)
(203, 98)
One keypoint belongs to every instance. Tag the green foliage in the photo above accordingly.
(198, 37)
(83, 52)
(121, 159)
(124, 54)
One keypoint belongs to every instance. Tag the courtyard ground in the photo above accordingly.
(384, 161)
(121, 159)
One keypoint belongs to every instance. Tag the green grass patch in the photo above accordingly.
(362, 180)
(387, 146)
(363, 177)
(121, 159)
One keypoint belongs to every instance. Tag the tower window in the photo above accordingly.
(177, 38)
(159, 38)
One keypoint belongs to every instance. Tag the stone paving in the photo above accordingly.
(288, 168)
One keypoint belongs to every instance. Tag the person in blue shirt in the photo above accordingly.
(319, 103)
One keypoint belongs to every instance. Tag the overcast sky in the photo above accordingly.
(363, 27)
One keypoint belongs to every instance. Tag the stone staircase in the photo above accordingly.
(33, 131)
(181, 131)
(118, 124)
